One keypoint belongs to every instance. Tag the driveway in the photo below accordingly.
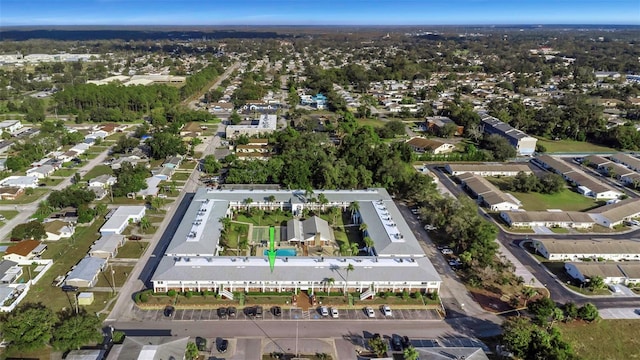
(621, 313)
(542, 230)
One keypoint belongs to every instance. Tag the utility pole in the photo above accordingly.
(75, 297)
(113, 283)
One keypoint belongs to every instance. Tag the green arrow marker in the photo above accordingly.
(272, 250)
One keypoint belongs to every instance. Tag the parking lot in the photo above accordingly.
(287, 314)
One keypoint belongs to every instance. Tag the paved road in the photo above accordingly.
(26, 210)
(225, 74)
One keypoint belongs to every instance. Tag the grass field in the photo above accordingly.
(571, 146)
(132, 249)
(180, 176)
(371, 122)
(119, 276)
(269, 219)
(51, 181)
(64, 172)
(8, 214)
(262, 233)
(604, 339)
(564, 200)
(97, 171)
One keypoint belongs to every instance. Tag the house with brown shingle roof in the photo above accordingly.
(10, 192)
(423, 145)
(24, 251)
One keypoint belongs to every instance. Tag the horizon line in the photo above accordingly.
(327, 25)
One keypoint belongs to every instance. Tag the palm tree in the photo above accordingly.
(528, 293)
(335, 212)
(368, 242)
(144, 223)
(354, 207)
(354, 249)
(322, 200)
(348, 269)
(329, 282)
(247, 201)
(363, 228)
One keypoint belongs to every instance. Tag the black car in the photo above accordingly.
(258, 312)
(222, 312)
(276, 310)
(250, 311)
(201, 343)
(396, 343)
(69, 288)
(231, 311)
(222, 345)
(169, 310)
(406, 342)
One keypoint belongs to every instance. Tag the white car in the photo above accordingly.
(370, 313)
(334, 313)
(386, 310)
(446, 252)
(324, 311)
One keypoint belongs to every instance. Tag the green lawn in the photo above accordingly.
(97, 171)
(64, 172)
(26, 199)
(566, 199)
(571, 146)
(121, 273)
(604, 339)
(180, 176)
(65, 254)
(132, 249)
(8, 214)
(371, 122)
(51, 181)
(269, 218)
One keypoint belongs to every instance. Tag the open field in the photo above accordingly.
(604, 339)
(120, 274)
(572, 146)
(51, 181)
(132, 249)
(566, 199)
(8, 214)
(64, 172)
(97, 171)
(269, 218)
(180, 176)
(371, 122)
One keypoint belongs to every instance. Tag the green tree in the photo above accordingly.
(516, 335)
(378, 346)
(191, 352)
(588, 312)
(144, 224)
(542, 309)
(28, 327)
(570, 311)
(125, 144)
(499, 146)
(210, 165)
(76, 330)
(235, 118)
(165, 144)
(30, 230)
(596, 282)
(349, 268)
(410, 353)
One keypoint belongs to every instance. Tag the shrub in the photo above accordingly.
(144, 297)
(405, 294)
(188, 294)
(118, 337)
(171, 293)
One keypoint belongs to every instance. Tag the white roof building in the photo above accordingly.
(20, 181)
(121, 218)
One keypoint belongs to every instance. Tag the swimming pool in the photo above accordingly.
(283, 252)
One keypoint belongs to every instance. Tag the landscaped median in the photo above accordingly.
(149, 300)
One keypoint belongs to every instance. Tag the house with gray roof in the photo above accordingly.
(149, 348)
(85, 273)
(614, 214)
(313, 230)
(107, 246)
(524, 144)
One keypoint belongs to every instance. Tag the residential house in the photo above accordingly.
(10, 192)
(313, 230)
(451, 353)
(630, 161)
(153, 184)
(583, 271)
(436, 123)
(192, 129)
(149, 348)
(58, 229)
(99, 192)
(220, 107)
(131, 159)
(173, 162)
(10, 271)
(596, 161)
(256, 149)
(86, 354)
(423, 145)
(24, 251)
(121, 218)
(85, 273)
(41, 172)
(266, 124)
(575, 250)
(80, 148)
(487, 194)
(614, 214)
(524, 144)
(10, 126)
(67, 156)
(103, 181)
(565, 219)
(163, 173)
(107, 246)
(508, 169)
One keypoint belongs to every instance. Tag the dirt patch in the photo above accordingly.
(491, 301)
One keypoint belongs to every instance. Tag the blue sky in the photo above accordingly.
(324, 12)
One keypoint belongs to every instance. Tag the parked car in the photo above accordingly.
(231, 311)
(135, 237)
(2, 218)
(369, 312)
(222, 346)
(69, 288)
(446, 252)
(276, 311)
(222, 313)
(258, 311)
(201, 343)
(324, 311)
(396, 342)
(386, 310)
(169, 311)
(455, 262)
(614, 288)
(334, 313)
